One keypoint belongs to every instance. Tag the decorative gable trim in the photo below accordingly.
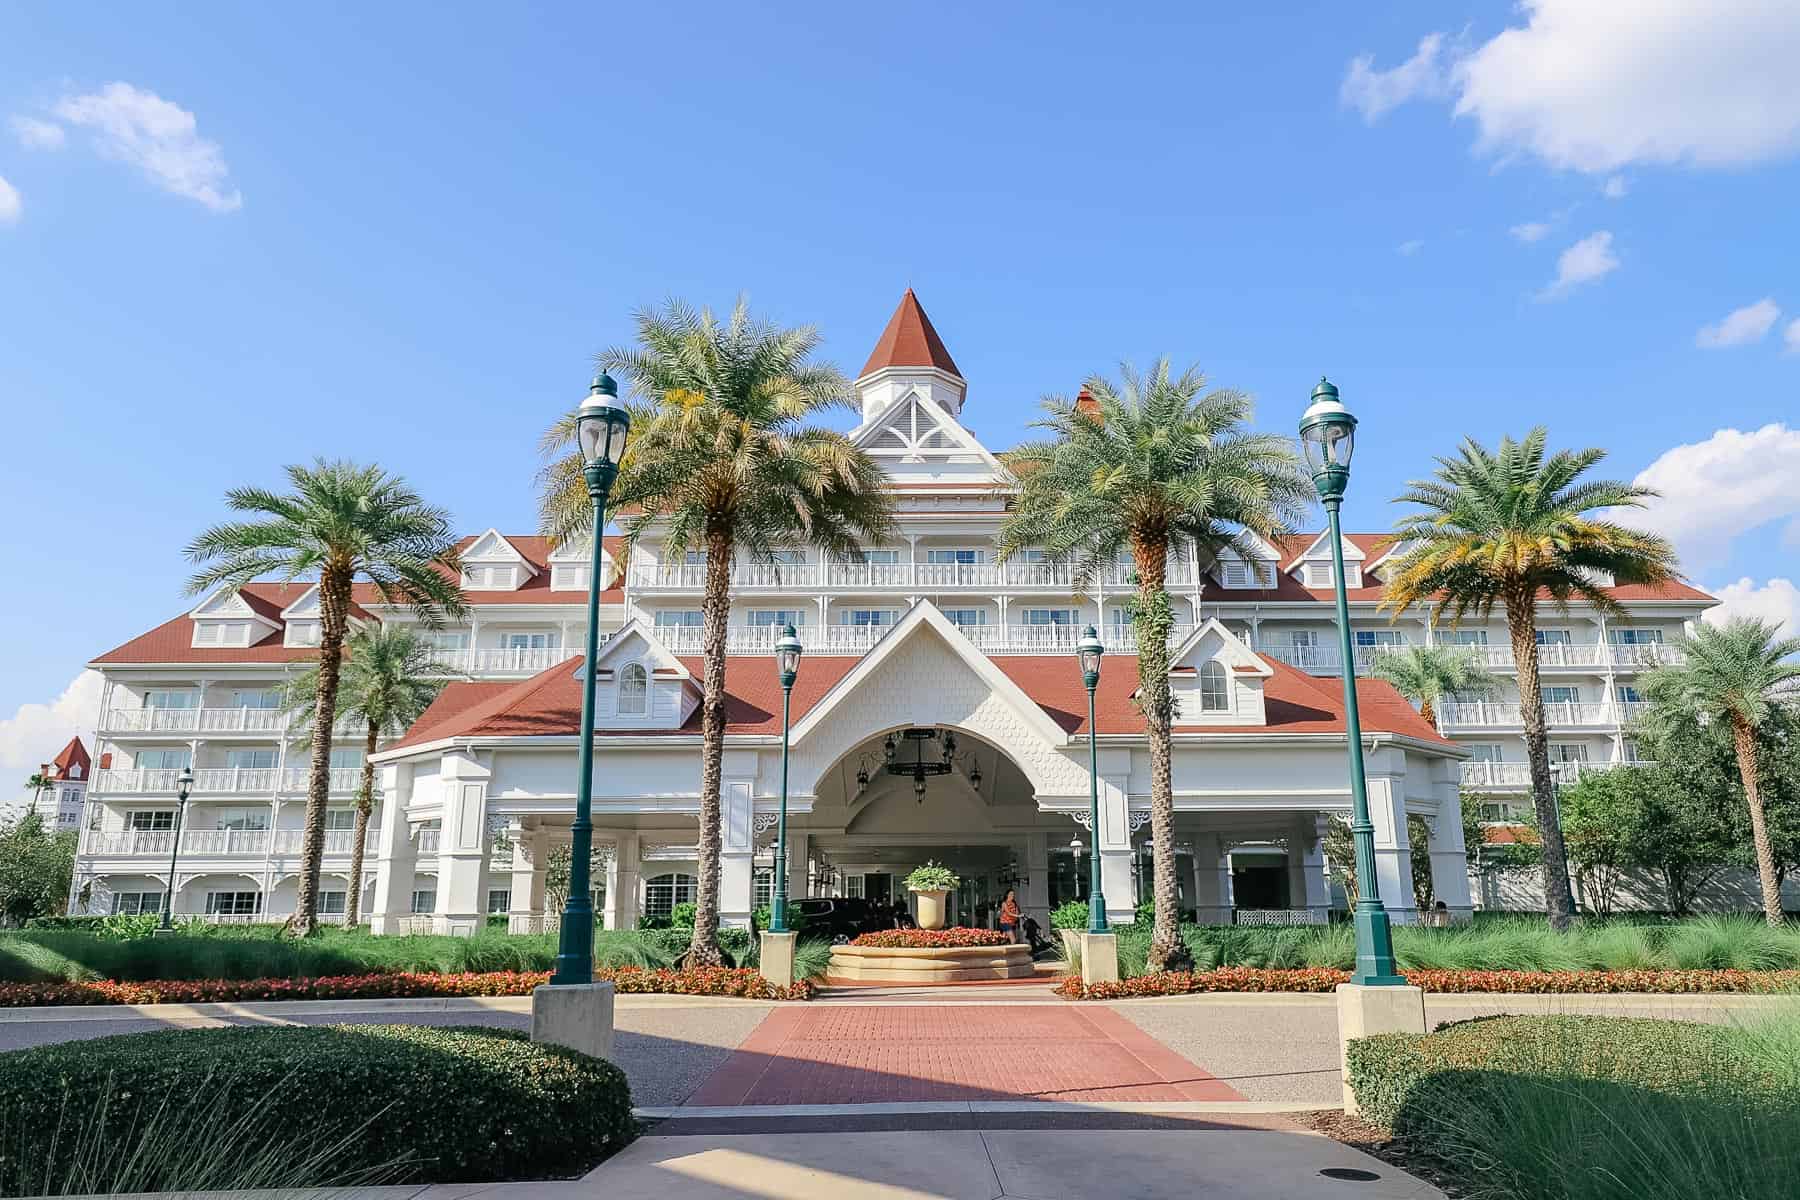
(492, 546)
(916, 428)
(638, 641)
(1236, 653)
(1320, 549)
(225, 620)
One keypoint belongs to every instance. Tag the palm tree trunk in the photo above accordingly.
(1152, 627)
(365, 800)
(334, 611)
(1743, 739)
(1521, 622)
(1428, 711)
(715, 609)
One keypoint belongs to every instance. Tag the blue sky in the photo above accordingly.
(237, 237)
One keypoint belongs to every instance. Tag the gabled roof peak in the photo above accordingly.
(909, 341)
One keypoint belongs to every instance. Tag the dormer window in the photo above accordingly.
(221, 633)
(1236, 573)
(302, 633)
(1215, 687)
(491, 578)
(569, 577)
(634, 690)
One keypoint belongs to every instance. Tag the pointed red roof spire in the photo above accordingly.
(1085, 402)
(74, 755)
(910, 341)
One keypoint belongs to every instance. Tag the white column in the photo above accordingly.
(395, 856)
(1393, 850)
(622, 883)
(737, 846)
(1034, 896)
(799, 846)
(462, 845)
(1212, 890)
(1113, 838)
(526, 900)
(1449, 856)
(1308, 887)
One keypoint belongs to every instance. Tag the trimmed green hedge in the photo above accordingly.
(389, 1102)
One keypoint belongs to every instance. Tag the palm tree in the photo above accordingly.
(722, 459)
(1153, 466)
(390, 676)
(1426, 674)
(341, 522)
(39, 781)
(1511, 527)
(1735, 674)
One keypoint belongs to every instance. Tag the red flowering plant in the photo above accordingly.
(955, 937)
(703, 981)
(1325, 979)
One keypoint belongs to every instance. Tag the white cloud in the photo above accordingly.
(1410, 248)
(1740, 327)
(1587, 260)
(1714, 490)
(35, 732)
(159, 138)
(10, 204)
(1791, 338)
(1374, 93)
(1614, 188)
(34, 134)
(1531, 231)
(1599, 85)
(1777, 600)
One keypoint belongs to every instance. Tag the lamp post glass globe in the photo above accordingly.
(787, 665)
(602, 427)
(1088, 651)
(1327, 431)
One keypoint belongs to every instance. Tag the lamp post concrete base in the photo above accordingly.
(1099, 958)
(578, 1016)
(1364, 1011)
(775, 956)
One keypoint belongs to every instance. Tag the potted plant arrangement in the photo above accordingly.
(931, 883)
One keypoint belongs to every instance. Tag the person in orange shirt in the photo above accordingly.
(1009, 916)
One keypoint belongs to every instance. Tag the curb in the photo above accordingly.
(277, 1009)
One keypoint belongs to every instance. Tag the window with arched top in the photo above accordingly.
(663, 892)
(1215, 688)
(634, 690)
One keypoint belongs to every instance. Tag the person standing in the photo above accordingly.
(1009, 916)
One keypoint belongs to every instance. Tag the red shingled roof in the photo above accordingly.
(73, 755)
(173, 640)
(550, 703)
(910, 341)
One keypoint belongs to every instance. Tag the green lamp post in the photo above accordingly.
(787, 663)
(184, 784)
(601, 428)
(1088, 650)
(1327, 433)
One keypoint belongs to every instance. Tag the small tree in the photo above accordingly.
(39, 782)
(1602, 820)
(36, 869)
(1683, 838)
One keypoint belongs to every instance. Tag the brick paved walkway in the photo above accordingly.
(864, 1054)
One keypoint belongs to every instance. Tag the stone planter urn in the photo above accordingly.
(931, 907)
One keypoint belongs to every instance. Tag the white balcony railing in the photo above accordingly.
(343, 779)
(857, 639)
(218, 843)
(1015, 574)
(270, 722)
(1504, 776)
(220, 781)
(428, 840)
(1501, 713)
(494, 660)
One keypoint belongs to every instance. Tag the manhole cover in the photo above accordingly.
(1350, 1174)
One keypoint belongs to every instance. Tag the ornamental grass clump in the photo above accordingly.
(302, 1106)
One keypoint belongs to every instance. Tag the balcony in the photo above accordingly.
(492, 661)
(220, 781)
(1516, 776)
(807, 578)
(1499, 714)
(217, 843)
(857, 639)
(208, 722)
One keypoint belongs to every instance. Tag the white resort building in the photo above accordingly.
(939, 715)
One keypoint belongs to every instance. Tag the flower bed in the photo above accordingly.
(932, 939)
(1325, 979)
(703, 981)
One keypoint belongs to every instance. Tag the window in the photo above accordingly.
(1627, 694)
(251, 759)
(788, 558)
(1568, 752)
(962, 617)
(663, 892)
(679, 618)
(1316, 574)
(233, 904)
(777, 617)
(340, 818)
(1464, 637)
(762, 887)
(532, 641)
(1305, 639)
(1215, 688)
(1483, 751)
(147, 820)
(346, 756)
(133, 903)
(499, 900)
(1047, 616)
(1379, 637)
(568, 578)
(243, 818)
(694, 558)
(1553, 637)
(332, 903)
(167, 698)
(491, 578)
(1240, 574)
(1633, 752)
(953, 556)
(634, 690)
(881, 556)
(165, 760)
(446, 640)
(256, 698)
(1562, 695)
(302, 633)
(424, 900)
(1635, 637)
(1237, 574)
(867, 616)
(1068, 877)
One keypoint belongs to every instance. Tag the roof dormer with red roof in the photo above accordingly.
(72, 764)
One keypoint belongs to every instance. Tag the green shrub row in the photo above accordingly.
(220, 1108)
(1579, 1106)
